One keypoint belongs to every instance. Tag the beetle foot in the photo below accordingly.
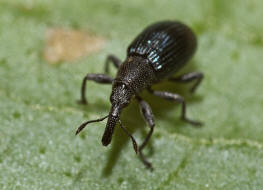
(192, 90)
(147, 164)
(82, 102)
(192, 122)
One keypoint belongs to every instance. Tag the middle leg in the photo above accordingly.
(189, 77)
(149, 118)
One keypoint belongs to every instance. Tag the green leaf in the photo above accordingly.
(39, 113)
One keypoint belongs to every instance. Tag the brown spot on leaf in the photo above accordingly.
(68, 45)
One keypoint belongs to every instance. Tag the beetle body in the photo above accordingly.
(166, 46)
(157, 53)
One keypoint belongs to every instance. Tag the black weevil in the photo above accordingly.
(155, 55)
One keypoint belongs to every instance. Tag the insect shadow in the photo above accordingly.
(133, 120)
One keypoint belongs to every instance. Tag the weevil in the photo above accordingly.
(155, 55)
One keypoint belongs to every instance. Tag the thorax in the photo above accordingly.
(136, 73)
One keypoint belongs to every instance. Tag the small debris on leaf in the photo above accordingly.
(68, 45)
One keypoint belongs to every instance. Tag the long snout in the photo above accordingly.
(107, 136)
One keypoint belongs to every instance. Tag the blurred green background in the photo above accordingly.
(39, 113)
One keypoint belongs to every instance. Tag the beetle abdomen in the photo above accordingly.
(167, 45)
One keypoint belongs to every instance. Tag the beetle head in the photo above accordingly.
(120, 98)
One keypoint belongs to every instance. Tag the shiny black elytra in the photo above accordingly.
(156, 54)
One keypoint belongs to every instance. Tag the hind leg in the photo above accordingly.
(179, 99)
(189, 77)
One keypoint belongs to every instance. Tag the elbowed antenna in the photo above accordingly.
(134, 143)
(111, 123)
(83, 125)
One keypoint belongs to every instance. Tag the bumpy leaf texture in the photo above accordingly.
(39, 113)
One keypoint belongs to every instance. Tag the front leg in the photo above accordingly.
(146, 111)
(99, 78)
(112, 59)
(177, 98)
(189, 77)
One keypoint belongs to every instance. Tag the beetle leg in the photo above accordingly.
(146, 111)
(177, 98)
(112, 59)
(99, 78)
(189, 77)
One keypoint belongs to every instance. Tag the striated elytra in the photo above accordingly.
(155, 55)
